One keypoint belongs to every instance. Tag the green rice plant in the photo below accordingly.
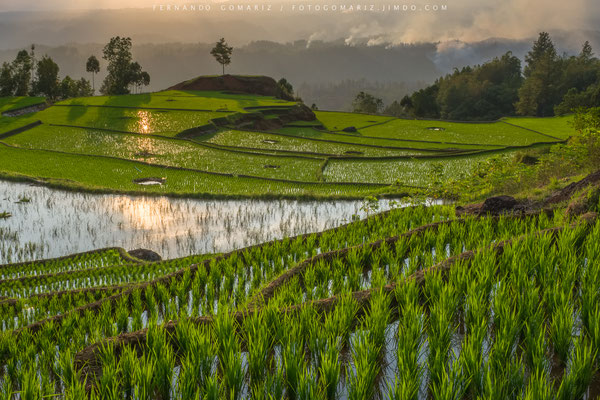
(163, 370)
(122, 315)
(378, 317)
(212, 389)
(361, 379)
(561, 330)
(109, 385)
(30, 385)
(187, 387)
(470, 360)
(233, 374)
(308, 387)
(539, 387)
(505, 384)
(144, 377)
(441, 329)
(451, 386)
(127, 365)
(409, 348)
(580, 371)
(228, 350)
(339, 322)
(272, 387)
(293, 361)
(330, 369)
(593, 330)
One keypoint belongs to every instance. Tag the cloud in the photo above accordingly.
(472, 20)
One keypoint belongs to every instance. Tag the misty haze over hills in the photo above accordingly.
(326, 66)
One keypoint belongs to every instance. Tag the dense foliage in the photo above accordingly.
(123, 72)
(548, 84)
(27, 77)
(525, 172)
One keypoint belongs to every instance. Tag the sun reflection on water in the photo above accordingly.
(144, 120)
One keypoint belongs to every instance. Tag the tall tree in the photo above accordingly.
(222, 53)
(33, 64)
(22, 66)
(541, 89)
(285, 90)
(93, 66)
(118, 54)
(7, 83)
(46, 82)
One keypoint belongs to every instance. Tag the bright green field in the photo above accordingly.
(378, 141)
(145, 126)
(162, 122)
(103, 174)
(13, 103)
(408, 172)
(191, 100)
(265, 141)
(164, 151)
(336, 121)
(10, 123)
(559, 127)
(495, 133)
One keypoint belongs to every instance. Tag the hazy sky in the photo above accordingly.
(463, 20)
(31, 5)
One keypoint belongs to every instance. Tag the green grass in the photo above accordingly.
(13, 103)
(378, 141)
(264, 141)
(495, 133)
(336, 121)
(559, 127)
(191, 100)
(10, 123)
(111, 175)
(85, 125)
(164, 151)
(408, 172)
(162, 122)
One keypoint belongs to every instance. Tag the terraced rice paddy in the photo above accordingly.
(206, 144)
(415, 303)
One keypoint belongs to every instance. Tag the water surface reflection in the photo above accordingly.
(55, 223)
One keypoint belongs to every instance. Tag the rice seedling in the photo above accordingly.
(330, 369)
(579, 372)
(361, 378)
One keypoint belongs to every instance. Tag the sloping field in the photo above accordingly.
(16, 103)
(161, 122)
(236, 136)
(175, 99)
(412, 303)
(165, 151)
(490, 133)
(270, 141)
(408, 172)
(560, 127)
(103, 174)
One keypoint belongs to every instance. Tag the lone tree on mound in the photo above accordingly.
(92, 65)
(222, 53)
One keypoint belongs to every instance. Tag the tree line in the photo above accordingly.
(548, 85)
(27, 76)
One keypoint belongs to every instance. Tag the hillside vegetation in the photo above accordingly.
(226, 143)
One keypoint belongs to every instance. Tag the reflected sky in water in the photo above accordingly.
(56, 223)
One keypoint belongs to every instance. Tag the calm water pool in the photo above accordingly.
(54, 223)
